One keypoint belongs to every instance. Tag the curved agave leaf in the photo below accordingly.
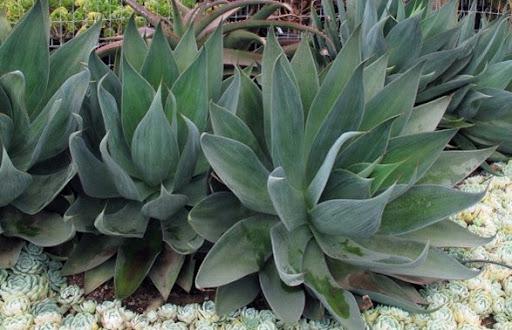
(125, 221)
(234, 295)
(165, 271)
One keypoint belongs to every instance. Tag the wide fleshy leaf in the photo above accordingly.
(135, 257)
(134, 46)
(43, 229)
(404, 42)
(179, 235)
(247, 242)
(90, 252)
(215, 214)
(188, 158)
(165, 271)
(339, 302)
(286, 302)
(237, 294)
(232, 160)
(165, 205)
(344, 184)
(10, 249)
(423, 205)
(186, 50)
(126, 221)
(82, 213)
(426, 117)
(97, 276)
(374, 77)
(304, 68)
(14, 181)
(288, 248)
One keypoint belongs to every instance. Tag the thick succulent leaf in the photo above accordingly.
(339, 302)
(179, 235)
(444, 88)
(231, 94)
(90, 252)
(193, 102)
(453, 166)
(10, 249)
(214, 49)
(231, 161)
(92, 172)
(188, 158)
(124, 183)
(97, 276)
(497, 75)
(404, 42)
(289, 203)
(154, 148)
(345, 116)
(43, 189)
(165, 271)
(396, 98)
(160, 65)
(416, 153)
(426, 117)
(287, 124)
(250, 108)
(215, 214)
(135, 257)
(126, 221)
(186, 277)
(317, 185)
(165, 205)
(380, 252)
(332, 86)
(247, 242)
(32, 30)
(43, 229)
(134, 47)
(186, 50)
(286, 302)
(82, 213)
(344, 184)
(423, 205)
(14, 181)
(137, 97)
(374, 77)
(336, 217)
(14, 89)
(69, 59)
(304, 68)
(288, 248)
(447, 233)
(437, 266)
(237, 294)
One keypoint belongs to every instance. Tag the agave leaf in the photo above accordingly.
(189, 156)
(404, 42)
(215, 214)
(10, 249)
(374, 77)
(92, 172)
(134, 46)
(339, 302)
(336, 217)
(426, 117)
(186, 277)
(248, 242)
(440, 20)
(423, 205)
(447, 233)
(288, 248)
(14, 87)
(214, 48)
(289, 203)
(126, 221)
(33, 29)
(304, 68)
(165, 271)
(179, 235)
(43, 229)
(15, 181)
(165, 205)
(82, 213)
(97, 276)
(453, 166)
(232, 160)
(344, 184)
(444, 88)
(186, 50)
(497, 75)
(137, 97)
(90, 252)
(160, 65)
(193, 102)
(71, 58)
(332, 86)
(237, 294)
(154, 148)
(43, 189)
(135, 257)
(231, 94)
(287, 124)
(286, 302)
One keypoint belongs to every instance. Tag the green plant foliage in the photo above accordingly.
(41, 94)
(333, 185)
(139, 160)
(472, 67)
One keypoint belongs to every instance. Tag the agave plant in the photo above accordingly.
(40, 97)
(472, 65)
(338, 187)
(139, 162)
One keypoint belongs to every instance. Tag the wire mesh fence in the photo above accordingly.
(69, 17)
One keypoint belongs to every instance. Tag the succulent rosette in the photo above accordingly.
(34, 287)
